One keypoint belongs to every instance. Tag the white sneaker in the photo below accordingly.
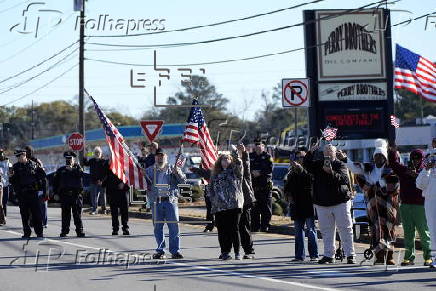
(93, 213)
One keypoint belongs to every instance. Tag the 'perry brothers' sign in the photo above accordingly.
(350, 46)
(349, 63)
(352, 91)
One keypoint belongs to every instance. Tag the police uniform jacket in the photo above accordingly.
(68, 178)
(28, 177)
(262, 163)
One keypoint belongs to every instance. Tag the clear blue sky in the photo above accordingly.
(240, 82)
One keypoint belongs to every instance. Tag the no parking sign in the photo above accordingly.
(295, 93)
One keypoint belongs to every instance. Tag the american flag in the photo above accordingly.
(394, 122)
(196, 132)
(123, 162)
(329, 133)
(415, 73)
(180, 159)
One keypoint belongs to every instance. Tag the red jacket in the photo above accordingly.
(409, 194)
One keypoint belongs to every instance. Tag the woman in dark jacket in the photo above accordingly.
(118, 196)
(245, 222)
(298, 190)
(227, 200)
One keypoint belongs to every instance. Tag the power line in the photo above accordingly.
(39, 64)
(214, 24)
(37, 75)
(244, 35)
(35, 42)
(39, 88)
(238, 59)
(12, 7)
(203, 63)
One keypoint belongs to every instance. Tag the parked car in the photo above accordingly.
(54, 197)
(196, 182)
(359, 213)
(278, 174)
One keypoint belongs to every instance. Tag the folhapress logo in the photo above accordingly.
(34, 17)
(127, 26)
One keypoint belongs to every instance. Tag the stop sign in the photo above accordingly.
(76, 141)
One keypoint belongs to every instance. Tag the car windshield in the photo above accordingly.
(196, 160)
(192, 176)
(279, 173)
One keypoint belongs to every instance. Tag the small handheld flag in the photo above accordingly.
(394, 122)
(329, 133)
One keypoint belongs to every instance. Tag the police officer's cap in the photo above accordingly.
(69, 155)
(19, 152)
(159, 151)
(258, 141)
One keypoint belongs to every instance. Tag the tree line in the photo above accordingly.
(59, 117)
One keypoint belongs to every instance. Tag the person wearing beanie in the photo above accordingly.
(412, 204)
(381, 188)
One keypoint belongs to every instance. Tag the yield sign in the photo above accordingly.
(151, 128)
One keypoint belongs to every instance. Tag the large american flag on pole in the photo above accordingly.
(415, 73)
(196, 132)
(123, 162)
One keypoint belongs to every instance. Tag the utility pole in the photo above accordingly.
(33, 122)
(81, 76)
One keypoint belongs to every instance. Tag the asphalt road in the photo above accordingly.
(81, 263)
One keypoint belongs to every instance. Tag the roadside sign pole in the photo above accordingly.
(295, 126)
(81, 126)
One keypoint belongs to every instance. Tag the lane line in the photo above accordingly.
(238, 274)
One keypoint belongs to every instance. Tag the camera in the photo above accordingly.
(327, 162)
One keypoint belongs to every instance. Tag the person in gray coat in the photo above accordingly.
(227, 201)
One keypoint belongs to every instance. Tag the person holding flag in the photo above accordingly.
(163, 180)
(331, 197)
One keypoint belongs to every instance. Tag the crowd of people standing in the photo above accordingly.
(319, 185)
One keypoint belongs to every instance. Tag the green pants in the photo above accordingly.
(413, 218)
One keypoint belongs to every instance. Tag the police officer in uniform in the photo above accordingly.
(27, 179)
(261, 173)
(118, 195)
(68, 184)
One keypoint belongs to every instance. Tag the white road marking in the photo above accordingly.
(239, 274)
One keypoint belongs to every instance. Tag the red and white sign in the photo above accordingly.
(151, 128)
(76, 141)
(295, 92)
